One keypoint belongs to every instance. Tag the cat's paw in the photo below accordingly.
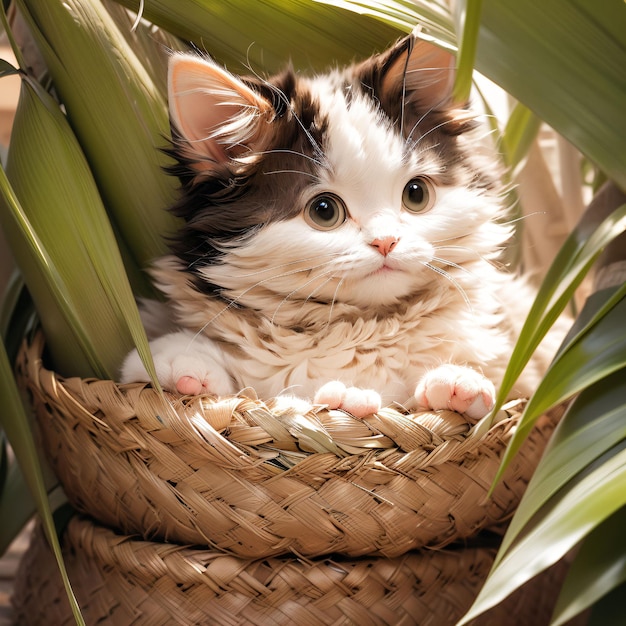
(185, 364)
(356, 401)
(461, 389)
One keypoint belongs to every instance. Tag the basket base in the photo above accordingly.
(119, 581)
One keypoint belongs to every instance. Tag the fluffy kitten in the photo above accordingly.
(340, 240)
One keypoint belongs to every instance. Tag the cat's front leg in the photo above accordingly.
(457, 388)
(185, 362)
(356, 401)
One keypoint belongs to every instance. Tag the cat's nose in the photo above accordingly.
(385, 245)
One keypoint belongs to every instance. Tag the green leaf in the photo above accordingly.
(593, 424)
(576, 513)
(609, 609)
(470, 14)
(564, 60)
(265, 35)
(567, 271)
(586, 357)
(6, 69)
(599, 567)
(520, 133)
(61, 237)
(15, 423)
(118, 115)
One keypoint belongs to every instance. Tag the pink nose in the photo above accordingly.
(385, 245)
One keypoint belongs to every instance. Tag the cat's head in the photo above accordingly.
(360, 186)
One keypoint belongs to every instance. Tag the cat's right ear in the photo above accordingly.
(216, 115)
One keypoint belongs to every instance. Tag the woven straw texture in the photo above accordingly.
(254, 479)
(121, 581)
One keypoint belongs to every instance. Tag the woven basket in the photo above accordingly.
(240, 476)
(119, 581)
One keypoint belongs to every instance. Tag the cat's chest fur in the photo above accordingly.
(388, 351)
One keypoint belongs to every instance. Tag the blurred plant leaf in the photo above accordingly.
(609, 609)
(6, 69)
(564, 59)
(118, 115)
(266, 35)
(521, 131)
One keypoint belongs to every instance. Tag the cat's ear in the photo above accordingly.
(417, 76)
(216, 114)
(422, 69)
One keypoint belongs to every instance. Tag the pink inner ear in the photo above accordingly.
(213, 110)
(429, 73)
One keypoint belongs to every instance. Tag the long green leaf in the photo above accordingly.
(470, 14)
(521, 131)
(570, 266)
(593, 499)
(564, 59)
(62, 239)
(571, 473)
(593, 424)
(15, 423)
(265, 35)
(68, 338)
(118, 115)
(599, 567)
(594, 352)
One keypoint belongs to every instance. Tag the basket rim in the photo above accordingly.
(294, 432)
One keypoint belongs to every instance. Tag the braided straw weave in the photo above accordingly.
(119, 581)
(254, 480)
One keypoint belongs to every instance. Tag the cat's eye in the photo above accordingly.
(325, 212)
(418, 195)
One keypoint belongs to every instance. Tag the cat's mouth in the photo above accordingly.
(385, 268)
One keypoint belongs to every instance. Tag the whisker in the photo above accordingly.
(464, 249)
(288, 263)
(522, 217)
(452, 264)
(332, 302)
(313, 176)
(294, 152)
(286, 298)
(234, 301)
(452, 280)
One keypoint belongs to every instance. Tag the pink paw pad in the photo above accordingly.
(457, 388)
(189, 386)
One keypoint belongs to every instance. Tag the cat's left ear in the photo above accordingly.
(217, 115)
(421, 75)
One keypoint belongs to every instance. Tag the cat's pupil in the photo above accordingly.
(325, 210)
(416, 193)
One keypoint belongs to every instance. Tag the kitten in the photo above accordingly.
(340, 240)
